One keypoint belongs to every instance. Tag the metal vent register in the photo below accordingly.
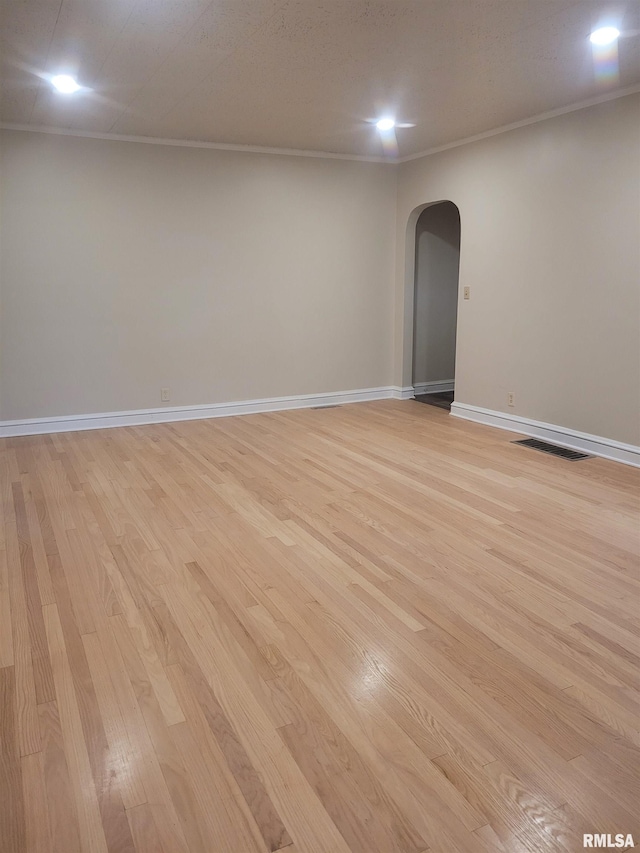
(545, 447)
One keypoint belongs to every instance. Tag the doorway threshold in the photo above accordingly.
(443, 399)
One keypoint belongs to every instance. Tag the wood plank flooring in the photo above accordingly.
(365, 628)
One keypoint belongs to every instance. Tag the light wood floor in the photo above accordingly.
(367, 628)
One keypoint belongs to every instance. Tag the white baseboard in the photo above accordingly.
(595, 445)
(438, 386)
(405, 393)
(104, 420)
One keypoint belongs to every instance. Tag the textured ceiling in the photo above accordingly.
(304, 74)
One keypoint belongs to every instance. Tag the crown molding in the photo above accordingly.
(570, 108)
(326, 155)
(191, 143)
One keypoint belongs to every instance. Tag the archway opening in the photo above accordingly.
(435, 303)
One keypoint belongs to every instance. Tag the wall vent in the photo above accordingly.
(554, 450)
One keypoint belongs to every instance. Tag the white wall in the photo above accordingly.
(550, 218)
(436, 293)
(226, 275)
(222, 275)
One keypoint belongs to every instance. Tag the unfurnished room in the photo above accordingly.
(319, 426)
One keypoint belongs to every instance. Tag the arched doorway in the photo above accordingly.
(435, 307)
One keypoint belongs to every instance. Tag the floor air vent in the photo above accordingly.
(563, 452)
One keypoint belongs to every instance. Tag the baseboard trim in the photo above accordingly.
(405, 393)
(140, 417)
(596, 445)
(437, 386)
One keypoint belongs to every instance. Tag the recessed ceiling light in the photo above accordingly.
(605, 35)
(385, 124)
(66, 84)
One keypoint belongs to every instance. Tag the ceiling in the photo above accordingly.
(307, 74)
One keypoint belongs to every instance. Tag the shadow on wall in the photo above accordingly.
(437, 262)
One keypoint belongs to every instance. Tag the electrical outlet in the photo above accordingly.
(511, 398)
(467, 292)
(164, 395)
